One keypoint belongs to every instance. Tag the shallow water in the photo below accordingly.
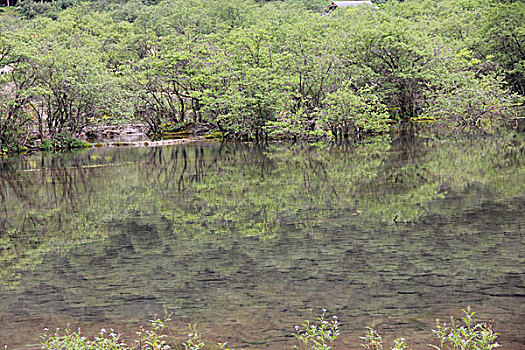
(245, 240)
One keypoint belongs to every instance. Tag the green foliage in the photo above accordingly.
(399, 344)
(481, 106)
(63, 141)
(17, 90)
(214, 135)
(501, 41)
(148, 339)
(456, 336)
(465, 335)
(348, 111)
(372, 340)
(261, 70)
(397, 55)
(153, 338)
(194, 341)
(47, 145)
(318, 335)
(30, 9)
(75, 340)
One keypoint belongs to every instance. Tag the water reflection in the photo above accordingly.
(238, 234)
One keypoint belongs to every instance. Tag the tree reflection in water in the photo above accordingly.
(222, 232)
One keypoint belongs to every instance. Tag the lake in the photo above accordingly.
(248, 241)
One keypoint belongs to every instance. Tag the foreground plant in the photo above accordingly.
(75, 340)
(194, 341)
(465, 335)
(372, 340)
(317, 335)
(154, 337)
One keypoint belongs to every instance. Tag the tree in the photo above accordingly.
(348, 111)
(17, 89)
(502, 41)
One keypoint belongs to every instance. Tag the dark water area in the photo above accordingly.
(245, 240)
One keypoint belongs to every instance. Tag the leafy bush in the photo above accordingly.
(31, 9)
(46, 145)
(176, 126)
(472, 105)
(349, 111)
(214, 135)
(63, 141)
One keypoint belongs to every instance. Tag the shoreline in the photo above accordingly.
(131, 144)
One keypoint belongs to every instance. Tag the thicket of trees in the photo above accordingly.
(259, 70)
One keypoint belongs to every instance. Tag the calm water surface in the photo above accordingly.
(246, 240)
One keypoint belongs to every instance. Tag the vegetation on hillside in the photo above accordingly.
(260, 70)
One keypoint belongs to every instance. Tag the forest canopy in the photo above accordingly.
(259, 70)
